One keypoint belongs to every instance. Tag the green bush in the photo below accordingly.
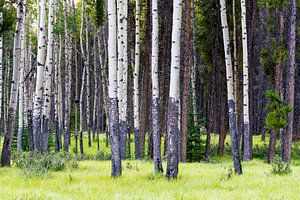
(33, 163)
(279, 167)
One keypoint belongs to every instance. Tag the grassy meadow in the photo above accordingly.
(213, 180)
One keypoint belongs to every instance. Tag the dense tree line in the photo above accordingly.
(164, 71)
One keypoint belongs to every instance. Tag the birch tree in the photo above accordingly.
(173, 107)
(122, 71)
(155, 91)
(6, 149)
(48, 80)
(112, 90)
(21, 79)
(136, 93)
(88, 78)
(39, 78)
(247, 134)
(230, 90)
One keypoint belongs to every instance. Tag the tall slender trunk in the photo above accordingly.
(48, 80)
(81, 111)
(83, 55)
(6, 148)
(88, 79)
(57, 94)
(122, 72)
(76, 81)
(278, 81)
(194, 65)
(96, 89)
(186, 79)
(247, 133)
(21, 80)
(1, 69)
(155, 91)
(112, 91)
(39, 78)
(173, 154)
(103, 66)
(66, 78)
(230, 90)
(290, 81)
(136, 92)
(146, 94)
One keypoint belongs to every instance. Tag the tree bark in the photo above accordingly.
(186, 80)
(290, 81)
(112, 91)
(136, 93)
(172, 164)
(6, 149)
(155, 91)
(230, 91)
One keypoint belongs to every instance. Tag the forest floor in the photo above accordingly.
(213, 180)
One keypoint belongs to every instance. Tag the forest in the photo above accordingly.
(149, 99)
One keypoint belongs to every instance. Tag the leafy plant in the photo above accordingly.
(278, 110)
(279, 167)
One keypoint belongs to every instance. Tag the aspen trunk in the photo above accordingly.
(6, 149)
(21, 80)
(122, 72)
(174, 95)
(81, 112)
(112, 91)
(247, 133)
(88, 79)
(136, 93)
(39, 78)
(155, 91)
(230, 90)
(48, 80)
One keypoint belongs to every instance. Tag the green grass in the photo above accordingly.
(92, 180)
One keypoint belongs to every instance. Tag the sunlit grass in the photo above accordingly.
(92, 180)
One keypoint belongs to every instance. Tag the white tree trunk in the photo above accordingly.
(120, 54)
(21, 79)
(48, 80)
(39, 78)
(6, 149)
(155, 91)
(112, 90)
(173, 107)
(230, 90)
(88, 79)
(122, 75)
(247, 133)
(136, 93)
(81, 111)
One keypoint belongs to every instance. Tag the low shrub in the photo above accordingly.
(279, 167)
(33, 163)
